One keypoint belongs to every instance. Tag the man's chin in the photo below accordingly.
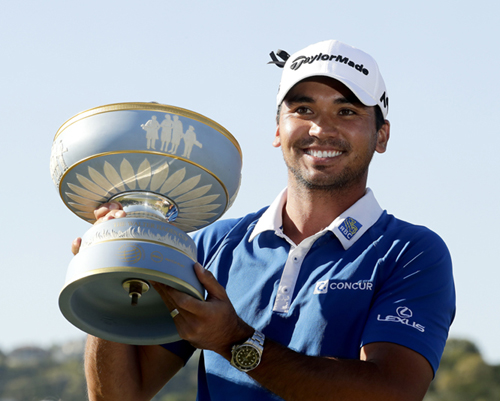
(329, 182)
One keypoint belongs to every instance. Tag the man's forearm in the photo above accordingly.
(295, 376)
(124, 372)
(111, 369)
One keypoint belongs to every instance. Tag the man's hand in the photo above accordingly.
(212, 324)
(109, 211)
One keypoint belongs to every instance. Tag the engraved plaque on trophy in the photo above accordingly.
(174, 171)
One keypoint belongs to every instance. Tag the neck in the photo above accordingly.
(309, 211)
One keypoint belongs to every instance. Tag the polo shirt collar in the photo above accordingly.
(348, 227)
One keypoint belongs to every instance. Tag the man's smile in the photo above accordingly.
(323, 154)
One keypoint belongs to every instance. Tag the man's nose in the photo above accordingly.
(323, 127)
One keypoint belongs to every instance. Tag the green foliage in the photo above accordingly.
(42, 379)
(464, 376)
(33, 374)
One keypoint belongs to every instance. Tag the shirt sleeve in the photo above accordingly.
(182, 349)
(414, 304)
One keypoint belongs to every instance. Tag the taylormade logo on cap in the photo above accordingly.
(354, 68)
(325, 57)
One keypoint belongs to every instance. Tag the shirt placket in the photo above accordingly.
(291, 272)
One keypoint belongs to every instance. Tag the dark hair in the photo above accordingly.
(278, 113)
(379, 117)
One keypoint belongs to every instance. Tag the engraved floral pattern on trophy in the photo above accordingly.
(96, 188)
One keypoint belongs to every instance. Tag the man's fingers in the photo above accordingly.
(75, 245)
(214, 289)
(175, 299)
(209, 324)
(182, 314)
(164, 294)
(114, 214)
(109, 211)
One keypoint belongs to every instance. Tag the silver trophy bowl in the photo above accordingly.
(174, 171)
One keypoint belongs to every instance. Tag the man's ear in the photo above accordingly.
(277, 139)
(383, 135)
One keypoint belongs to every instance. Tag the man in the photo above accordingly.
(189, 141)
(177, 134)
(151, 128)
(166, 132)
(323, 295)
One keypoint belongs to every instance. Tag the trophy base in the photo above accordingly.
(98, 297)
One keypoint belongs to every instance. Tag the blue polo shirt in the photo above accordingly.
(368, 277)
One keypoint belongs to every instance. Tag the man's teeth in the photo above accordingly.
(324, 153)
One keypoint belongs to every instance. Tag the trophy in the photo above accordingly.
(174, 171)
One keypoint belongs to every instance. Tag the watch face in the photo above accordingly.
(247, 357)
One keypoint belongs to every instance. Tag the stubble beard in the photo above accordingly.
(349, 177)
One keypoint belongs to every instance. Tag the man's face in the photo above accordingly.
(327, 136)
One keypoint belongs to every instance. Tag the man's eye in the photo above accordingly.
(347, 112)
(302, 110)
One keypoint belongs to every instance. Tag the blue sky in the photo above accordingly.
(439, 60)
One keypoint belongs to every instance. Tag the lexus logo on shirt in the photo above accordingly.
(403, 317)
(404, 312)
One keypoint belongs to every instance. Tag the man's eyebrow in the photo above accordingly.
(299, 98)
(348, 100)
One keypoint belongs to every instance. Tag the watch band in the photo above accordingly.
(258, 340)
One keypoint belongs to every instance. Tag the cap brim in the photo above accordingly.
(363, 97)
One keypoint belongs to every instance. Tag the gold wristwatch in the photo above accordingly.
(247, 356)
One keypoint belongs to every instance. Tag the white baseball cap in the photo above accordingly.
(353, 67)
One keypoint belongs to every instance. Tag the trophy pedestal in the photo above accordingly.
(96, 297)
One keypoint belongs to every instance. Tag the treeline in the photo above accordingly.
(56, 374)
(463, 375)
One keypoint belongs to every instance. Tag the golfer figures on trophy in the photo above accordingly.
(173, 171)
